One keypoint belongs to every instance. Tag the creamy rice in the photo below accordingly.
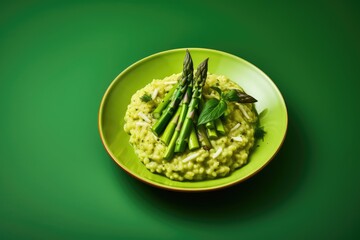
(228, 152)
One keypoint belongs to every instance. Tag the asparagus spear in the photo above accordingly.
(170, 149)
(212, 134)
(163, 104)
(211, 131)
(193, 139)
(203, 138)
(200, 79)
(210, 125)
(170, 128)
(201, 133)
(219, 126)
(184, 107)
(186, 78)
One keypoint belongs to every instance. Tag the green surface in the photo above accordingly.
(270, 103)
(56, 61)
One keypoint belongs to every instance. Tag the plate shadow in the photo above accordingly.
(270, 188)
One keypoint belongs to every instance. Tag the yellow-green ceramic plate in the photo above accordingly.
(157, 66)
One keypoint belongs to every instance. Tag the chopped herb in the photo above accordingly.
(146, 97)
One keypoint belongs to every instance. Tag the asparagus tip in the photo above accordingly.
(204, 63)
(202, 68)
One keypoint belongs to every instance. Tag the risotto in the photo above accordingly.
(229, 151)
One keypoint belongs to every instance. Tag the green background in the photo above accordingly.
(58, 58)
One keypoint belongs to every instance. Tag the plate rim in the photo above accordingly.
(175, 188)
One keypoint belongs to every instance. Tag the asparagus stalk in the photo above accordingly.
(201, 133)
(200, 79)
(212, 134)
(203, 138)
(219, 126)
(193, 139)
(170, 149)
(170, 128)
(210, 125)
(211, 131)
(184, 107)
(186, 78)
(163, 104)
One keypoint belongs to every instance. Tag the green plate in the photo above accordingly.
(157, 66)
